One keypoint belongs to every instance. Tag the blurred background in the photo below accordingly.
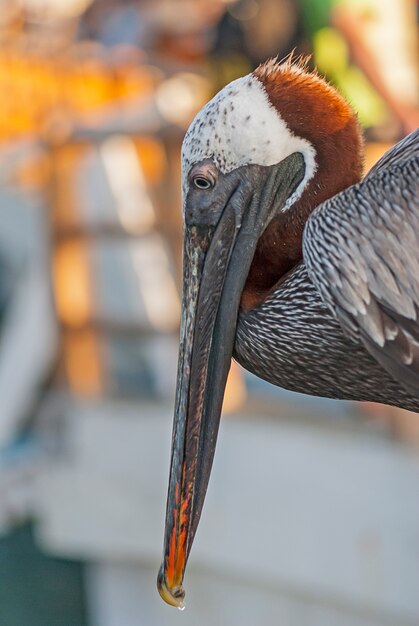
(312, 516)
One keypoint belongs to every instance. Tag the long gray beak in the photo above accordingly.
(220, 239)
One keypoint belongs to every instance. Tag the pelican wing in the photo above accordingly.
(361, 249)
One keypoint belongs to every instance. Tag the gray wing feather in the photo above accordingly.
(361, 249)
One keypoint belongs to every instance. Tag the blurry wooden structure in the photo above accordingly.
(114, 244)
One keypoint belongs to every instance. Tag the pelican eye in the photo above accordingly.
(200, 182)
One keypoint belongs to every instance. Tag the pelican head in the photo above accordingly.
(255, 161)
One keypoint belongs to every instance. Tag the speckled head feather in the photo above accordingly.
(265, 116)
(239, 126)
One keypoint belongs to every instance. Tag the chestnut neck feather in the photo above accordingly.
(315, 111)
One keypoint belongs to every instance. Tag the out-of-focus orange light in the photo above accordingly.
(64, 162)
(152, 158)
(72, 283)
(35, 86)
(235, 393)
(33, 172)
(374, 152)
(83, 362)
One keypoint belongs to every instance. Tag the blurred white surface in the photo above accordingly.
(28, 338)
(300, 517)
(123, 595)
(27, 348)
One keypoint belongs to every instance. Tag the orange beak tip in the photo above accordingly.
(173, 596)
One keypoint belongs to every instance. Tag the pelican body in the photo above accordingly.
(304, 273)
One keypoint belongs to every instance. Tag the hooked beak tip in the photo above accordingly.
(173, 596)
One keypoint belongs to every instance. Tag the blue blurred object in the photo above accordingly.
(36, 590)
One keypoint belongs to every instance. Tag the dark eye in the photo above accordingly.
(202, 183)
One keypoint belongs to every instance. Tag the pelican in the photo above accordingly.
(304, 273)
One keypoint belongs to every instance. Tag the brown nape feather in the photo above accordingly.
(314, 110)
